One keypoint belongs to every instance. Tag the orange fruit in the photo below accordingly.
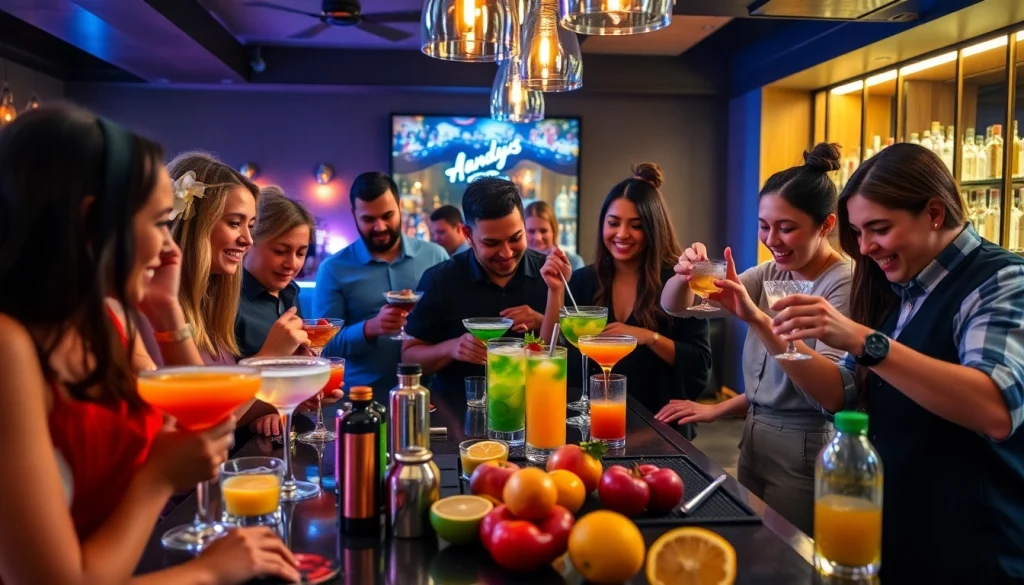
(606, 547)
(691, 555)
(530, 493)
(571, 493)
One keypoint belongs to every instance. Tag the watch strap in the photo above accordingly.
(176, 336)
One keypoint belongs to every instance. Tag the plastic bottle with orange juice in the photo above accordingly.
(848, 502)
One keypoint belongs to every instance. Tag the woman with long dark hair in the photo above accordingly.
(935, 341)
(785, 428)
(636, 250)
(84, 208)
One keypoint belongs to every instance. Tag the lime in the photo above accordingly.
(457, 518)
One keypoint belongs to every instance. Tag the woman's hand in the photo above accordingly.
(686, 411)
(734, 296)
(643, 336)
(810, 317)
(248, 553)
(555, 269)
(286, 335)
(697, 252)
(183, 458)
(268, 425)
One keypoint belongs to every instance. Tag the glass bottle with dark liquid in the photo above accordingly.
(357, 470)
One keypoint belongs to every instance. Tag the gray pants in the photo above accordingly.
(777, 465)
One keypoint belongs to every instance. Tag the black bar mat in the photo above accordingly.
(721, 507)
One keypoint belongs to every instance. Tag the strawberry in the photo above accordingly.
(533, 343)
(322, 321)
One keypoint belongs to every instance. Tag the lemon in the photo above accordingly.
(691, 555)
(457, 518)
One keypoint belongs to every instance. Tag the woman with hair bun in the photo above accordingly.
(785, 427)
(636, 248)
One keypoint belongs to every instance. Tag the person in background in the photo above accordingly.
(542, 231)
(785, 428)
(350, 285)
(281, 238)
(501, 277)
(447, 230)
(935, 342)
(636, 249)
(102, 462)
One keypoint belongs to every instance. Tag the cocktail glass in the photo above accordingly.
(199, 397)
(607, 350)
(608, 409)
(574, 322)
(320, 433)
(321, 332)
(487, 328)
(405, 300)
(703, 280)
(776, 290)
(545, 402)
(506, 390)
(251, 490)
(287, 383)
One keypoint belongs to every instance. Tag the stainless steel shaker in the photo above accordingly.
(412, 485)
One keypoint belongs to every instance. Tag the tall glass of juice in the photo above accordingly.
(608, 409)
(848, 502)
(545, 402)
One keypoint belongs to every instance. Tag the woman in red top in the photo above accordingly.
(83, 215)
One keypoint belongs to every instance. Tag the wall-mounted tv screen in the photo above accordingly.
(433, 158)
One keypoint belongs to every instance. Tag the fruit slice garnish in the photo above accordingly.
(486, 450)
(691, 555)
(461, 508)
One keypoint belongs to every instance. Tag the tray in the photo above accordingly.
(721, 507)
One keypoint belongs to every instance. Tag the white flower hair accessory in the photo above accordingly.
(186, 189)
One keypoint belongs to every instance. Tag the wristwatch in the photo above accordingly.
(876, 348)
(166, 337)
(657, 336)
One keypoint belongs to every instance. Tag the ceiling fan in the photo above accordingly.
(349, 13)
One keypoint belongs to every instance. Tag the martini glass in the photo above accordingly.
(287, 383)
(702, 282)
(320, 434)
(405, 300)
(199, 397)
(607, 350)
(574, 322)
(321, 332)
(776, 290)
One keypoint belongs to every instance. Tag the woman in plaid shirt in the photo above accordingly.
(935, 354)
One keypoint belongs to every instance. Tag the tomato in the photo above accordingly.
(530, 493)
(584, 460)
(624, 490)
(666, 488)
(571, 494)
(524, 545)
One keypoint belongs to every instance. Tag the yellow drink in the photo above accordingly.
(704, 284)
(848, 530)
(477, 451)
(545, 402)
(251, 494)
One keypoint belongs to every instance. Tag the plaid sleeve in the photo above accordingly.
(990, 330)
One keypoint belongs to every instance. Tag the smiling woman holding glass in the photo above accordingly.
(785, 427)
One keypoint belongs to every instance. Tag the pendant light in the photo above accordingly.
(615, 17)
(481, 31)
(510, 101)
(7, 110)
(33, 102)
(550, 59)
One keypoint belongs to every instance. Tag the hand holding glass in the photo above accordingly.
(776, 290)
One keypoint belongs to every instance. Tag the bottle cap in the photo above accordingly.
(410, 370)
(849, 421)
(360, 393)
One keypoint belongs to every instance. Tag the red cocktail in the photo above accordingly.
(321, 332)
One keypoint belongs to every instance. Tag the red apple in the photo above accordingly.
(489, 479)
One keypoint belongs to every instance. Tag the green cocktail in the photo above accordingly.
(487, 328)
(506, 390)
(576, 322)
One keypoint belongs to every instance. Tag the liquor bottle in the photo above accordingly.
(410, 411)
(1015, 161)
(982, 154)
(1016, 217)
(914, 138)
(357, 471)
(995, 152)
(926, 140)
(946, 150)
(969, 153)
(993, 212)
(848, 502)
(562, 204)
(382, 441)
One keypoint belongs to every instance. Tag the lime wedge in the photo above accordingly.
(457, 518)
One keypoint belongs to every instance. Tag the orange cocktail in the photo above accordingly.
(607, 350)
(198, 397)
(251, 495)
(320, 434)
(608, 409)
(321, 332)
(545, 402)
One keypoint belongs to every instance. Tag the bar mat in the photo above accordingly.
(721, 507)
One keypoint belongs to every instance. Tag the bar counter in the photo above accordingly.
(770, 552)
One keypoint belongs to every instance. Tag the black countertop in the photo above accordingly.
(769, 552)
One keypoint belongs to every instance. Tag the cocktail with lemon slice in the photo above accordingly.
(474, 452)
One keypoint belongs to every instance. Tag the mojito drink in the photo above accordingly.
(506, 390)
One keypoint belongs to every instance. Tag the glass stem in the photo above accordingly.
(286, 429)
(791, 348)
(203, 503)
(320, 412)
(585, 395)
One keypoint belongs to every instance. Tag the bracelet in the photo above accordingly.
(174, 336)
(657, 336)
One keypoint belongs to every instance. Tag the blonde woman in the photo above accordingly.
(217, 212)
(542, 231)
